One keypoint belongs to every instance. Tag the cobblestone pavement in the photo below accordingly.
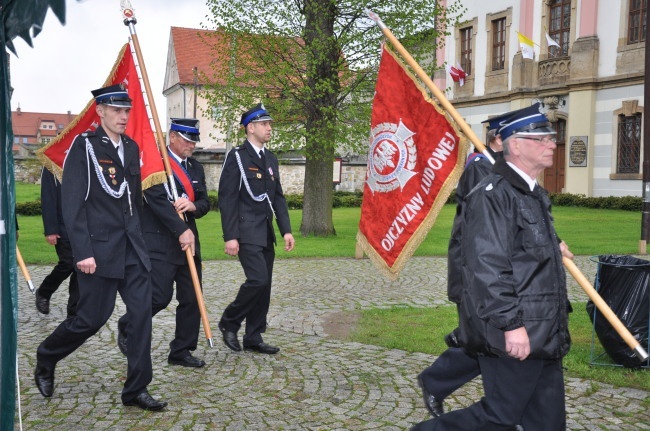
(315, 383)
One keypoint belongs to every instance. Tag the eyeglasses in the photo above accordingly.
(543, 140)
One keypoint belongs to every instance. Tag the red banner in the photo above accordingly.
(415, 158)
(138, 127)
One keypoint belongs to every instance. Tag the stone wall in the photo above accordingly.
(27, 170)
(293, 175)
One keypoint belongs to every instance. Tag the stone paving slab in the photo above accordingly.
(316, 383)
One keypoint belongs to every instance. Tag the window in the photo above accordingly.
(629, 144)
(466, 50)
(498, 44)
(637, 21)
(560, 26)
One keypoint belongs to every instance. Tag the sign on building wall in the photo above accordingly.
(578, 151)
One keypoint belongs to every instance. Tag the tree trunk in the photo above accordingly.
(317, 201)
(323, 84)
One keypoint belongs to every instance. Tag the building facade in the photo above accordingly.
(32, 130)
(590, 85)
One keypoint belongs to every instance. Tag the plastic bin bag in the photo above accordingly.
(622, 282)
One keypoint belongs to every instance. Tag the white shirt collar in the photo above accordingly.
(174, 155)
(532, 182)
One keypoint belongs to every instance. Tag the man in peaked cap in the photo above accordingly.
(168, 236)
(102, 210)
(250, 195)
(513, 306)
(455, 367)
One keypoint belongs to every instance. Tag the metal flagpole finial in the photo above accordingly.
(373, 16)
(128, 12)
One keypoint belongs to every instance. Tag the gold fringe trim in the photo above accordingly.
(153, 179)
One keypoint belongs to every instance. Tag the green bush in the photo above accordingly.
(29, 208)
(354, 199)
(347, 199)
(627, 203)
(294, 201)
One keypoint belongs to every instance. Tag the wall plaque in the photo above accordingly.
(578, 151)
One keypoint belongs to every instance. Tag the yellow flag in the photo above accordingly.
(526, 46)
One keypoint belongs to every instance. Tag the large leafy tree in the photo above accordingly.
(314, 65)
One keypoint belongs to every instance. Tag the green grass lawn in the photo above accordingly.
(423, 329)
(587, 231)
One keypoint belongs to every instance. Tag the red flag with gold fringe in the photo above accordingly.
(138, 127)
(415, 158)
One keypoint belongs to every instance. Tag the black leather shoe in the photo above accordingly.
(451, 339)
(230, 340)
(146, 402)
(42, 303)
(187, 361)
(121, 340)
(432, 404)
(263, 348)
(44, 378)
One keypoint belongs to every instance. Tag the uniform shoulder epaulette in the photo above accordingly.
(88, 134)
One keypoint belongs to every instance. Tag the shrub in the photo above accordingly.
(29, 208)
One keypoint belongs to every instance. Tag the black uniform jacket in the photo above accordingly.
(51, 205)
(98, 224)
(512, 268)
(162, 225)
(476, 169)
(242, 217)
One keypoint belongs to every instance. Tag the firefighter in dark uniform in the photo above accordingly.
(57, 235)
(102, 210)
(164, 230)
(250, 196)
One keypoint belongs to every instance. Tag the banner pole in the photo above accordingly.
(23, 268)
(130, 21)
(431, 86)
(460, 121)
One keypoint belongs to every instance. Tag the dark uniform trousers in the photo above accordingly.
(254, 296)
(63, 269)
(53, 224)
(97, 297)
(529, 393)
(188, 315)
(450, 371)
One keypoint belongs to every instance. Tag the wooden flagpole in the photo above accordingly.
(467, 130)
(23, 268)
(130, 21)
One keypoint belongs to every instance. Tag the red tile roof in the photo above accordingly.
(195, 52)
(28, 123)
(202, 49)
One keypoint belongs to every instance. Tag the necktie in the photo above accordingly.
(263, 157)
(184, 164)
(120, 152)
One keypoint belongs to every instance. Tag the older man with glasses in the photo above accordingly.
(514, 306)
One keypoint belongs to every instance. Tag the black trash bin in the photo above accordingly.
(624, 284)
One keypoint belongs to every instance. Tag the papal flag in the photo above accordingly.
(415, 157)
(138, 128)
(527, 47)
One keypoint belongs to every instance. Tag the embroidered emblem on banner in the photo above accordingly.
(392, 157)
